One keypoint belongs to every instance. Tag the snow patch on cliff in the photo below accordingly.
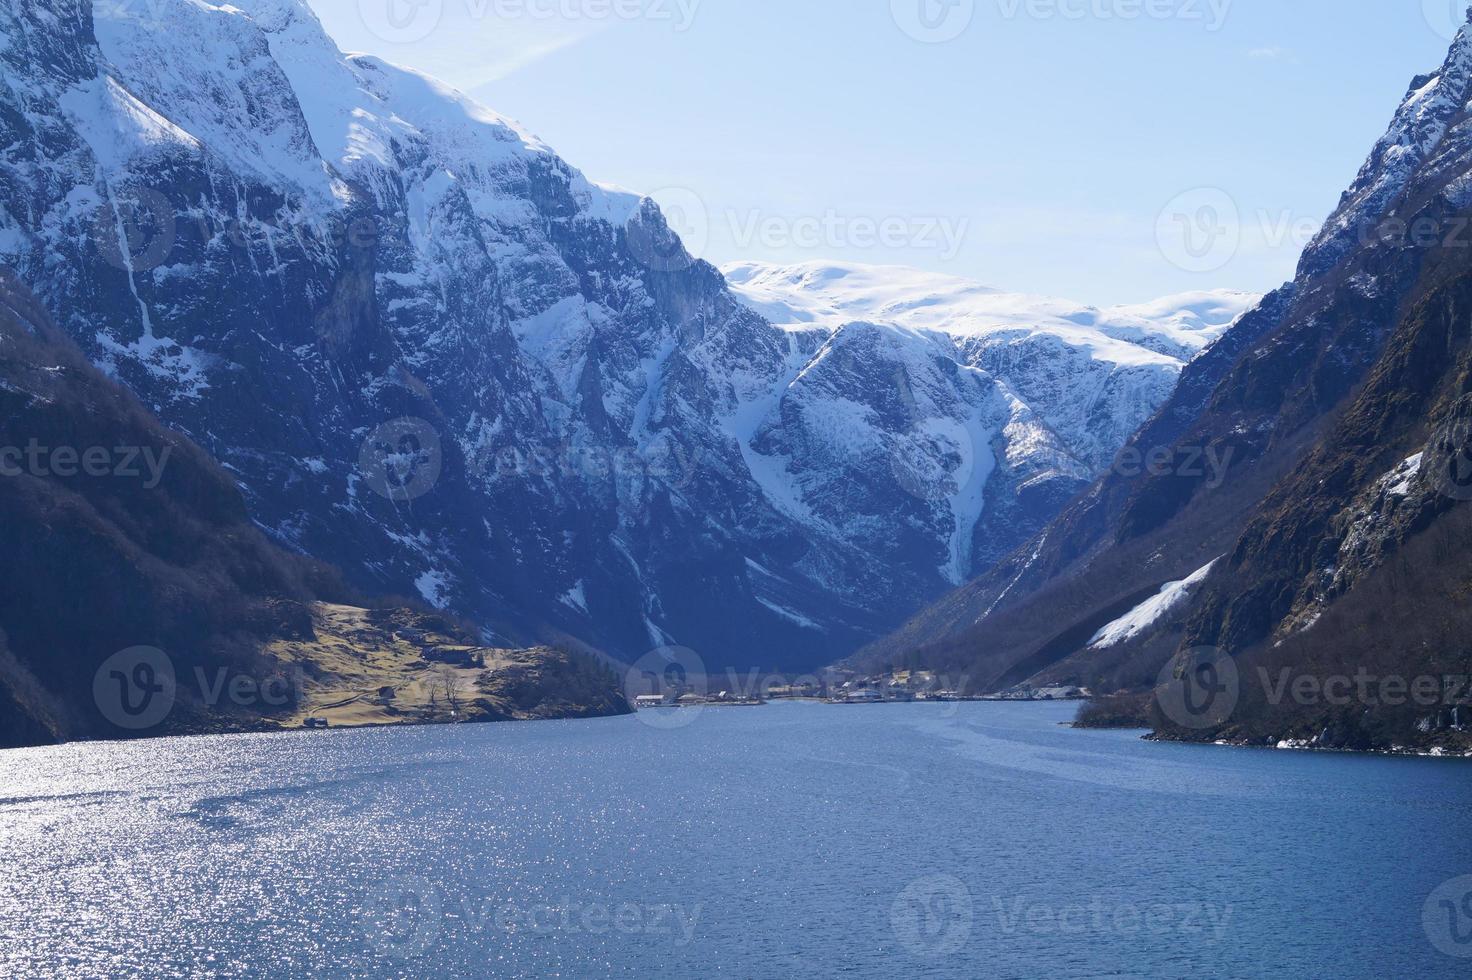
(1150, 612)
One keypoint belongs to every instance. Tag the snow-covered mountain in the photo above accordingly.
(829, 294)
(1029, 397)
(437, 356)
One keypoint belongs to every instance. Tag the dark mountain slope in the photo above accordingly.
(126, 555)
(1308, 405)
(120, 534)
(1345, 602)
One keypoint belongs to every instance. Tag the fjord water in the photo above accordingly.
(791, 840)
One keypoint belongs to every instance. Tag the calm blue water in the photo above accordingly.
(792, 840)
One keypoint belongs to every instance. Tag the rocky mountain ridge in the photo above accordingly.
(437, 356)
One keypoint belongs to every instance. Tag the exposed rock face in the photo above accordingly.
(1340, 403)
(437, 356)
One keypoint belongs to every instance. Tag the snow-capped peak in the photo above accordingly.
(828, 294)
(1431, 108)
(363, 116)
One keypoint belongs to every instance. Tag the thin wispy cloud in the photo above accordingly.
(472, 52)
(466, 44)
(1273, 54)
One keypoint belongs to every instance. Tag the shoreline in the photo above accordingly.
(1147, 734)
(277, 729)
(1298, 745)
(1279, 745)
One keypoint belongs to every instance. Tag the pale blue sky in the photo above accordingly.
(1035, 151)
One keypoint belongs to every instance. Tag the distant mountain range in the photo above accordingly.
(828, 295)
(436, 356)
(1321, 579)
